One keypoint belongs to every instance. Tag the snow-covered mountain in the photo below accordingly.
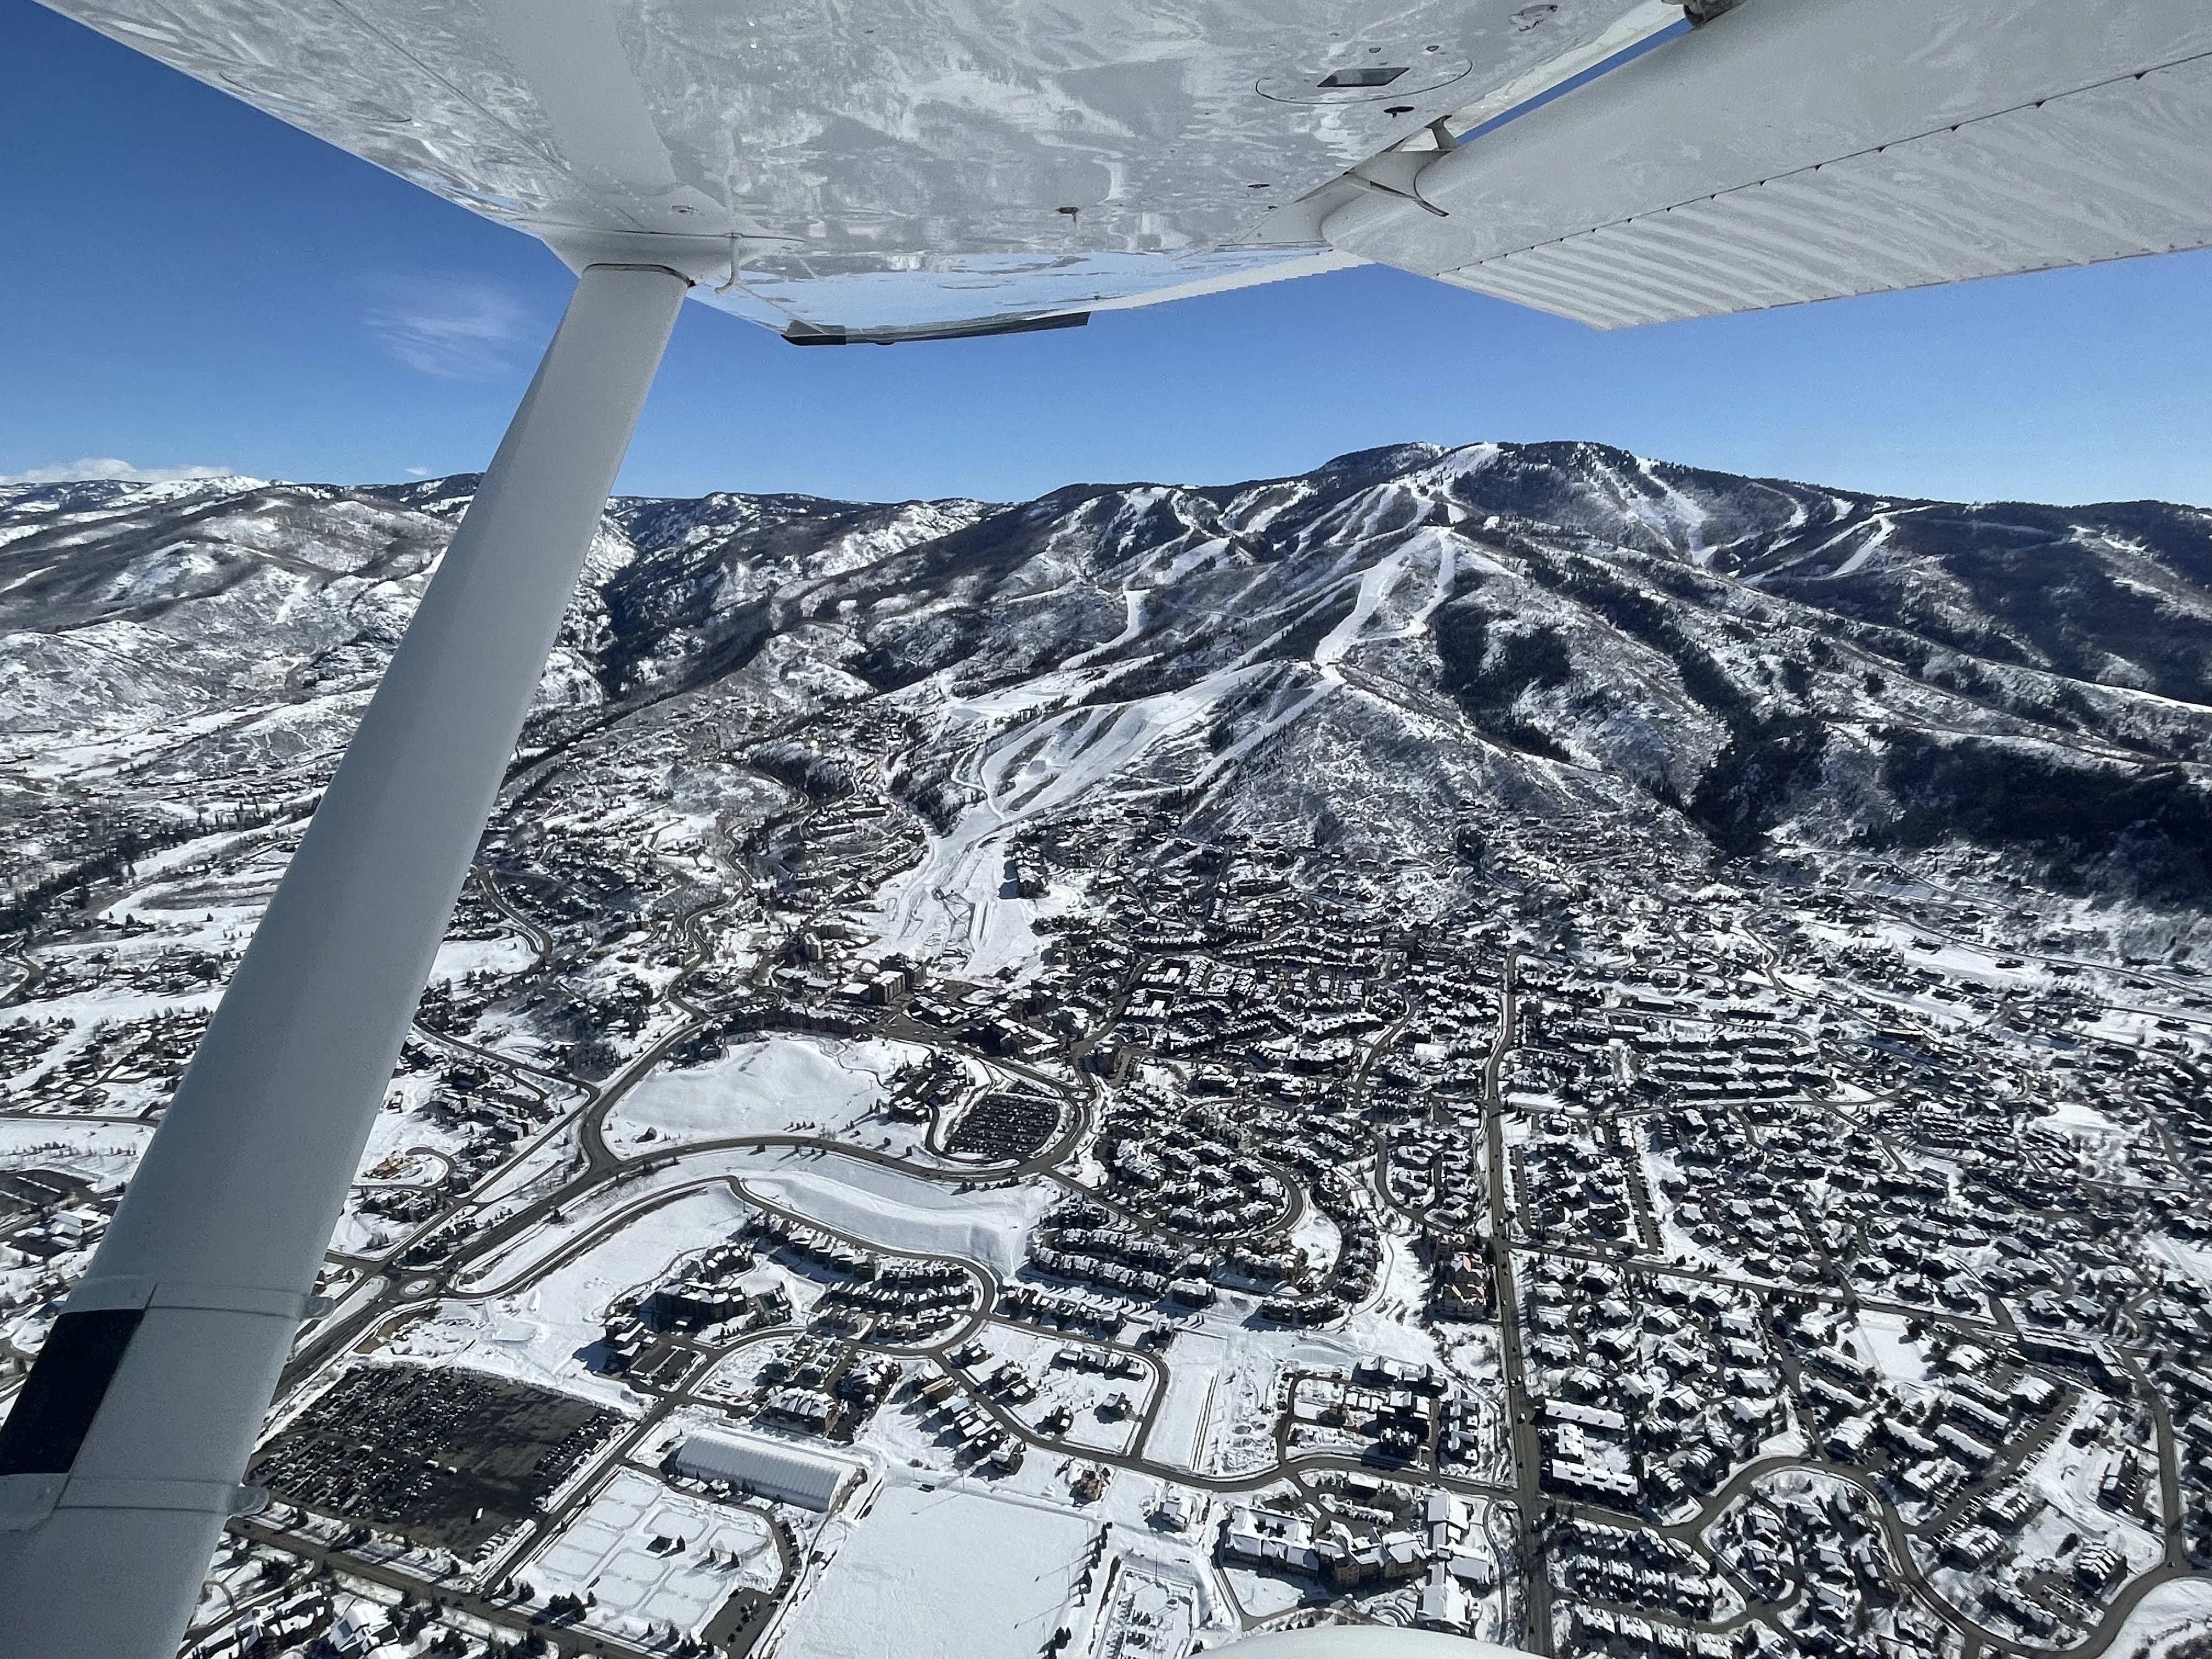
(1379, 656)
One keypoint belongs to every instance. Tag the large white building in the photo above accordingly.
(769, 1469)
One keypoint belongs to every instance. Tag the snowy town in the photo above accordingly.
(1821, 1276)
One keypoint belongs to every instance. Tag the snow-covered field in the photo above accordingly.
(944, 1575)
(606, 1550)
(102, 1153)
(1180, 1429)
(2172, 1614)
(498, 958)
(1897, 1359)
(778, 1085)
(898, 1211)
(539, 1335)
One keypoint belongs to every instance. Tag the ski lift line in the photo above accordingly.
(158, 1372)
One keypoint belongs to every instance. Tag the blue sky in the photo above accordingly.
(184, 282)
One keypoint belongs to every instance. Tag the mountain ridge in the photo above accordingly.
(1377, 649)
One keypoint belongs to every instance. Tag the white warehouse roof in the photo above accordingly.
(772, 1468)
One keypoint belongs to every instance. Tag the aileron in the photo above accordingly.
(1800, 149)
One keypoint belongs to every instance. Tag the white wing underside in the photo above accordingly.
(881, 165)
(895, 169)
(1807, 150)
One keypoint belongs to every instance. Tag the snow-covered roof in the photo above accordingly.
(773, 1468)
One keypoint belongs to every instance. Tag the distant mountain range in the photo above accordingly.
(1371, 657)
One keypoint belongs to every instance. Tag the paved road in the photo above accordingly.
(1524, 1445)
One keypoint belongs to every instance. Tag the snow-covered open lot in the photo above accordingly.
(944, 1575)
(539, 1335)
(900, 1211)
(606, 1552)
(775, 1085)
(1179, 1431)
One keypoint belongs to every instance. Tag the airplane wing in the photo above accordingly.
(1807, 150)
(882, 172)
(878, 173)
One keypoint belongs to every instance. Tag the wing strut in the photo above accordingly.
(123, 1455)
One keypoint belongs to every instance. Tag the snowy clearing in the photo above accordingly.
(899, 1213)
(944, 1575)
(1180, 1429)
(777, 1085)
(539, 1335)
(604, 1551)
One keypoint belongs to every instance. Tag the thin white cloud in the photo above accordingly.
(455, 329)
(108, 467)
